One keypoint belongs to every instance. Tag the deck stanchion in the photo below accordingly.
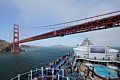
(18, 76)
(36, 71)
(67, 78)
(52, 73)
(62, 72)
(42, 72)
(58, 76)
(31, 74)
(46, 71)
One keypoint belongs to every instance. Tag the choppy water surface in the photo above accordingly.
(12, 64)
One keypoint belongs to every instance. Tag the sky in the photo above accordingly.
(36, 13)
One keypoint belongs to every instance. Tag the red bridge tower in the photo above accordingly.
(15, 47)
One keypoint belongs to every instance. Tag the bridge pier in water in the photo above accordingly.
(15, 48)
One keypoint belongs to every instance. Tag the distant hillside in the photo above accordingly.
(29, 46)
(24, 46)
(4, 46)
(59, 46)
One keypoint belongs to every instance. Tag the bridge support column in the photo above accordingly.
(15, 47)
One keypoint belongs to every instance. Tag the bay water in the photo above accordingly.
(12, 64)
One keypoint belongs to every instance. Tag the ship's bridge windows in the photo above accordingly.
(97, 49)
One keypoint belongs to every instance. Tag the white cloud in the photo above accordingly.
(45, 9)
(63, 10)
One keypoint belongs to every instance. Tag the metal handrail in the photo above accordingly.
(31, 73)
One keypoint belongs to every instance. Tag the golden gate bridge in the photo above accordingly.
(103, 21)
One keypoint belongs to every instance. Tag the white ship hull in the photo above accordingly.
(84, 50)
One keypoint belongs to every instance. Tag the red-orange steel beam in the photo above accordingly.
(15, 46)
(109, 22)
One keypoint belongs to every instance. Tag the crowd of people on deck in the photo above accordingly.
(55, 64)
(69, 69)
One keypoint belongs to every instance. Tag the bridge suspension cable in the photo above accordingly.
(48, 28)
(33, 31)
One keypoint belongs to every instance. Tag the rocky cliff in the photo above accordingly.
(5, 46)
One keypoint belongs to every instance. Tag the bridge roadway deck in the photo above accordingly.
(104, 23)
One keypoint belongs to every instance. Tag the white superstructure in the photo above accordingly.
(88, 49)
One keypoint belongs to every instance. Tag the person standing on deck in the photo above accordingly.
(65, 73)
